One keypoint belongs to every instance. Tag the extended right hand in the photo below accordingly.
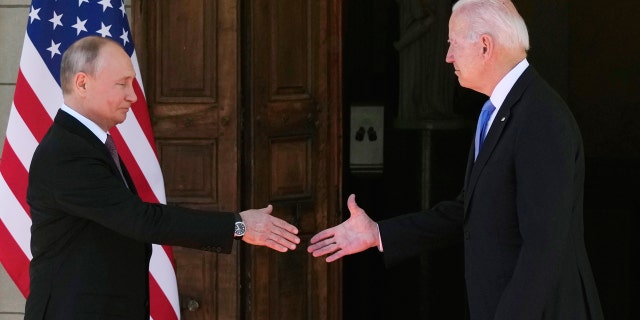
(263, 229)
(356, 234)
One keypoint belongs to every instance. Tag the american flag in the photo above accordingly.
(52, 26)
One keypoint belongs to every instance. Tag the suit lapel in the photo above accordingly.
(74, 126)
(474, 169)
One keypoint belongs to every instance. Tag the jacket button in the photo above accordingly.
(467, 235)
(218, 249)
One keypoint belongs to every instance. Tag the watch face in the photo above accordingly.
(240, 229)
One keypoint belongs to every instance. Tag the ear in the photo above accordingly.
(80, 82)
(487, 45)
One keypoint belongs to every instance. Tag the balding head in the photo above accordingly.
(97, 79)
(81, 56)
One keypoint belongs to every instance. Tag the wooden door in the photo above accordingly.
(191, 53)
(292, 91)
(188, 51)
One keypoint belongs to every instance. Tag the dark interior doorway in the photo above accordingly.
(427, 287)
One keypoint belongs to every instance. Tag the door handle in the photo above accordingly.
(189, 303)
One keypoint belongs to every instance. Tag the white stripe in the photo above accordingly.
(134, 60)
(40, 79)
(15, 218)
(20, 137)
(162, 270)
(143, 154)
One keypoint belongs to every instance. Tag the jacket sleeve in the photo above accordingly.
(75, 179)
(408, 235)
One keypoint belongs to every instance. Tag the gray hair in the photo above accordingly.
(497, 18)
(81, 56)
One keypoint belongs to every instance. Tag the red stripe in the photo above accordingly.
(15, 175)
(30, 108)
(15, 262)
(160, 306)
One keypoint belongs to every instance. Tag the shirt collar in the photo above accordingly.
(501, 90)
(86, 122)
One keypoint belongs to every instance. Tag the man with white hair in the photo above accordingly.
(520, 210)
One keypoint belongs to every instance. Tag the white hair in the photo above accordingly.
(497, 18)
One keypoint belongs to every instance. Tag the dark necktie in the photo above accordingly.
(481, 130)
(114, 154)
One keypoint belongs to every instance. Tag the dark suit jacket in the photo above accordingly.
(520, 215)
(91, 235)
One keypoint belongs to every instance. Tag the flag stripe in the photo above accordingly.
(21, 138)
(15, 220)
(142, 185)
(164, 273)
(12, 170)
(30, 108)
(141, 110)
(43, 83)
(15, 263)
(163, 309)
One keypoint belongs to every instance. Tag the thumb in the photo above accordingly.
(268, 209)
(353, 206)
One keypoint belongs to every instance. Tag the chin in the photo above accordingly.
(122, 119)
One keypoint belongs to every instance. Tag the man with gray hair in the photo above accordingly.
(91, 234)
(520, 209)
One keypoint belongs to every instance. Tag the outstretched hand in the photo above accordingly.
(263, 229)
(356, 234)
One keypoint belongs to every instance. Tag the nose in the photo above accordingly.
(131, 95)
(449, 57)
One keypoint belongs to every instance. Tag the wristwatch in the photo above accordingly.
(240, 228)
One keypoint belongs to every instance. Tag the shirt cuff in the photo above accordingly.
(380, 248)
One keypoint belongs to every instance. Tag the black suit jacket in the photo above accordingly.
(91, 235)
(520, 215)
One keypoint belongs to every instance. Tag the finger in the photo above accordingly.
(324, 234)
(339, 254)
(288, 240)
(321, 244)
(284, 241)
(326, 250)
(284, 225)
(276, 246)
(284, 229)
(285, 234)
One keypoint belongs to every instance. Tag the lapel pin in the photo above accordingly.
(503, 118)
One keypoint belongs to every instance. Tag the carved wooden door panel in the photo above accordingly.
(289, 122)
(292, 77)
(189, 56)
